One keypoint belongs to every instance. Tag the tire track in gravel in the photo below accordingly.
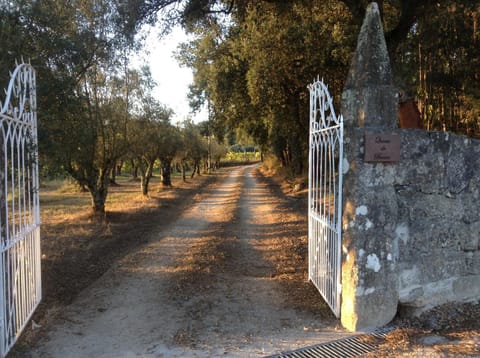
(242, 311)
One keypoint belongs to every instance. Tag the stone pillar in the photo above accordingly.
(369, 105)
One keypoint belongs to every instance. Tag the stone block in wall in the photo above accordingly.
(418, 298)
(462, 163)
(471, 240)
(415, 240)
(432, 213)
(467, 287)
(422, 166)
(369, 104)
(409, 276)
(432, 267)
(438, 162)
(473, 262)
(422, 297)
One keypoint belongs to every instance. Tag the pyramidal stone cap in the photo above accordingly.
(371, 63)
(369, 98)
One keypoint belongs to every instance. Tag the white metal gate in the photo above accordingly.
(20, 279)
(325, 196)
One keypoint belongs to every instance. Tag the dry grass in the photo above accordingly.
(66, 219)
(70, 235)
(77, 249)
(407, 342)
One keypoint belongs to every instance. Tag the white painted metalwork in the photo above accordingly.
(325, 196)
(20, 278)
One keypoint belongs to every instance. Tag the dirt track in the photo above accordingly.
(206, 285)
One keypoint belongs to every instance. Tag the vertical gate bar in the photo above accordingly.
(20, 284)
(28, 274)
(329, 198)
(317, 238)
(339, 215)
(316, 205)
(3, 320)
(16, 283)
(8, 292)
(3, 238)
(2, 303)
(19, 240)
(24, 260)
(23, 281)
(315, 209)
(320, 237)
(310, 160)
(12, 184)
(325, 214)
(35, 189)
(333, 195)
(24, 187)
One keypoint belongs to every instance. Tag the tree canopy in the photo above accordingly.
(95, 110)
(253, 66)
(252, 62)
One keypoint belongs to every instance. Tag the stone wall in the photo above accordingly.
(410, 225)
(436, 243)
(429, 203)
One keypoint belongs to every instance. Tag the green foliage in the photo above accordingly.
(241, 157)
(439, 63)
(253, 69)
(239, 148)
(152, 137)
(252, 61)
(85, 90)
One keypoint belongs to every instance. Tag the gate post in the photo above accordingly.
(369, 107)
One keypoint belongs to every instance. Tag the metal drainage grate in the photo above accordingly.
(347, 347)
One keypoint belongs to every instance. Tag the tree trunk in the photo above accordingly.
(145, 178)
(184, 169)
(166, 171)
(196, 168)
(119, 168)
(98, 191)
(178, 167)
(134, 170)
(113, 177)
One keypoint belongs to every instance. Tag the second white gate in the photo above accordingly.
(325, 196)
(20, 283)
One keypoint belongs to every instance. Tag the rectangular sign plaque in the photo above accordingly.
(381, 147)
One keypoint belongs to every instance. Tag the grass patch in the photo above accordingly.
(77, 250)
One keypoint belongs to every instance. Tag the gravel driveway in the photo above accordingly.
(202, 286)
